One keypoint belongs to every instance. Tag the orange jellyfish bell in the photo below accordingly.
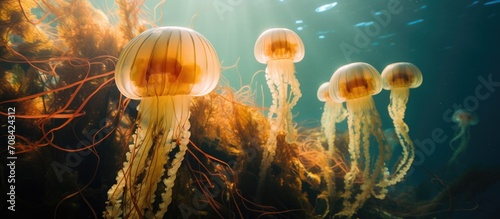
(323, 93)
(163, 67)
(278, 43)
(465, 117)
(167, 61)
(399, 78)
(401, 75)
(353, 81)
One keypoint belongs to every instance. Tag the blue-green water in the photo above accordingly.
(454, 43)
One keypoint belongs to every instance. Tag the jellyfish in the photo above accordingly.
(333, 112)
(464, 119)
(399, 78)
(279, 48)
(163, 68)
(355, 84)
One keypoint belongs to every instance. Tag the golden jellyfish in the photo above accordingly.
(333, 112)
(464, 119)
(355, 84)
(399, 78)
(279, 48)
(163, 67)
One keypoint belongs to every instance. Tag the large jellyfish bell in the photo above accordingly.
(167, 61)
(163, 67)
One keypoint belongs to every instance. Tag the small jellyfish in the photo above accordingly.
(333, 112)
(399, 78)
(464, 119)
(279, 48)
(163, 67)
(355, 84)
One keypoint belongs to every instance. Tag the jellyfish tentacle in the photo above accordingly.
(281, 75)
(296, 93)
(172, 173)
(463, 135)
(332, 113)
(270, 146)
(409, 154)
(282, 112)
(397, 108)
(168, 124)
(159, 139)
(354, 125)
(274, 94)
(136, 163)
(460, 132)
(365, 145)
(342, 115)
(176, 125)
(295, 87)
(464, 119)
(328, 126)
(370, 126)
(385, 153)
